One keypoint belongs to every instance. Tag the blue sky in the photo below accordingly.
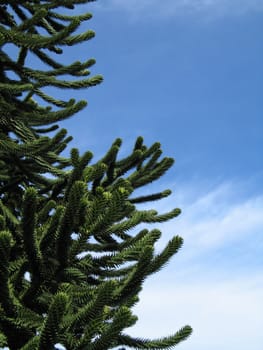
(189, 74)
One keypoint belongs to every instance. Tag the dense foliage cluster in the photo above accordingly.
(71, 260)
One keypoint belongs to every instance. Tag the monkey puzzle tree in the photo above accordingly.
(36, 30)
(71, 261)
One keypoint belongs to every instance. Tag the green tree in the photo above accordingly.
(71, 261)
(36, 30)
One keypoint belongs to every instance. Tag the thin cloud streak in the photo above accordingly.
(139, 9)
(213, 220)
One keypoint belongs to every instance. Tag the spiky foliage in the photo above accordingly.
(72, 259)
(73, 264)
(37, 31)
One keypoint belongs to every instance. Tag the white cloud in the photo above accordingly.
(212, 220)
(163, 9)
(223, 302)
(225, 315)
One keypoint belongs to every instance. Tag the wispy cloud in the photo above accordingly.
(214, 219)
(169, 8)
(224, 315)
(223, 301)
